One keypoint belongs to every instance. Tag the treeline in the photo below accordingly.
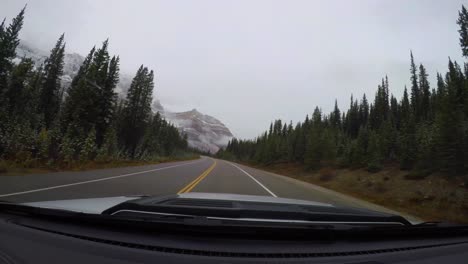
(426, 130)
(41, 121)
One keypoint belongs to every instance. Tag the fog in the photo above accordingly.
(248, 62)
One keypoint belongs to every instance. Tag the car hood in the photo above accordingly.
(98, 205)
(90, 206)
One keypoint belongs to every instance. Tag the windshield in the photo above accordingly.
(283, 111)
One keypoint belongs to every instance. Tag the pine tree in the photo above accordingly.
(426, 130)
(405, 112)
(137, 110)
(374, 159)
(463, 30)
(381, 105)
(9, 40)
(313, 151)
(335, 117)
(363, 110)
(426, 148)
(80, 108)
(33, 93)
(91, 97)
(357, 150)
(394, 112)
(352, 119)
(441, 92)
(107, 99)
(17, 93)
(50, 97)
(407, 138)
(415, 90)
(425, 93)
(451, 137)
(84, 68)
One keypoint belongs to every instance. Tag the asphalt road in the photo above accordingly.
(202, 175)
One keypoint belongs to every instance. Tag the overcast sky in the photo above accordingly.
(248, 62)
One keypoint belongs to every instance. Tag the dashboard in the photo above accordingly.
(26, 239)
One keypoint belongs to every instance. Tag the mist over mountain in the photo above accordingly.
(204, 132)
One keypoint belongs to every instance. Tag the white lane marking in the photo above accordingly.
(97, 180)
(255, 180)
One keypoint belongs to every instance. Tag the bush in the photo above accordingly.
(22, 156)
(418, 175)
(43, 144)
(343, 162)
(327, 174)
(88, 150)
(374, 167)
(28, 163)
(3, 166)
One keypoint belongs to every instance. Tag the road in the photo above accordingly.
(202, 175)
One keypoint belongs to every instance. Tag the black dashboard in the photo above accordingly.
(27, 239)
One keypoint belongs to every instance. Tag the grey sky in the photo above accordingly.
(248, 62)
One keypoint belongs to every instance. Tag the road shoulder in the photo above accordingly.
(352, 201)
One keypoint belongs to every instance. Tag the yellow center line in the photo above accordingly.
(194, 183)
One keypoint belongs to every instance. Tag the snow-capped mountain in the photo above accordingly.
(204, 132)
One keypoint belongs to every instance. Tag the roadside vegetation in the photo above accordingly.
(11, 168)
(46, 125)
(421, 136)
(438, 197)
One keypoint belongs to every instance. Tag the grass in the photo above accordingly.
(430, 196)
(12, 168)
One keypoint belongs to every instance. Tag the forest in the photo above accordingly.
(425, 131)
(44, 123)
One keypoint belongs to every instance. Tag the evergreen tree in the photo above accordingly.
(50, 97)
(463, 30)
(441, 92)
(335, 118)
(405, 112)
(363, 110)
(352, 119)
(450, 123)
(427, 130)
(90, 118)
(415, 90)
(425, 93)
(137, 110)
(91, 97)
(17, 93)
(374, 159)
(394, 112)
(107, 99)
(9, 40)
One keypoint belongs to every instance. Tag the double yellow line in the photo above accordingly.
(194, 183)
